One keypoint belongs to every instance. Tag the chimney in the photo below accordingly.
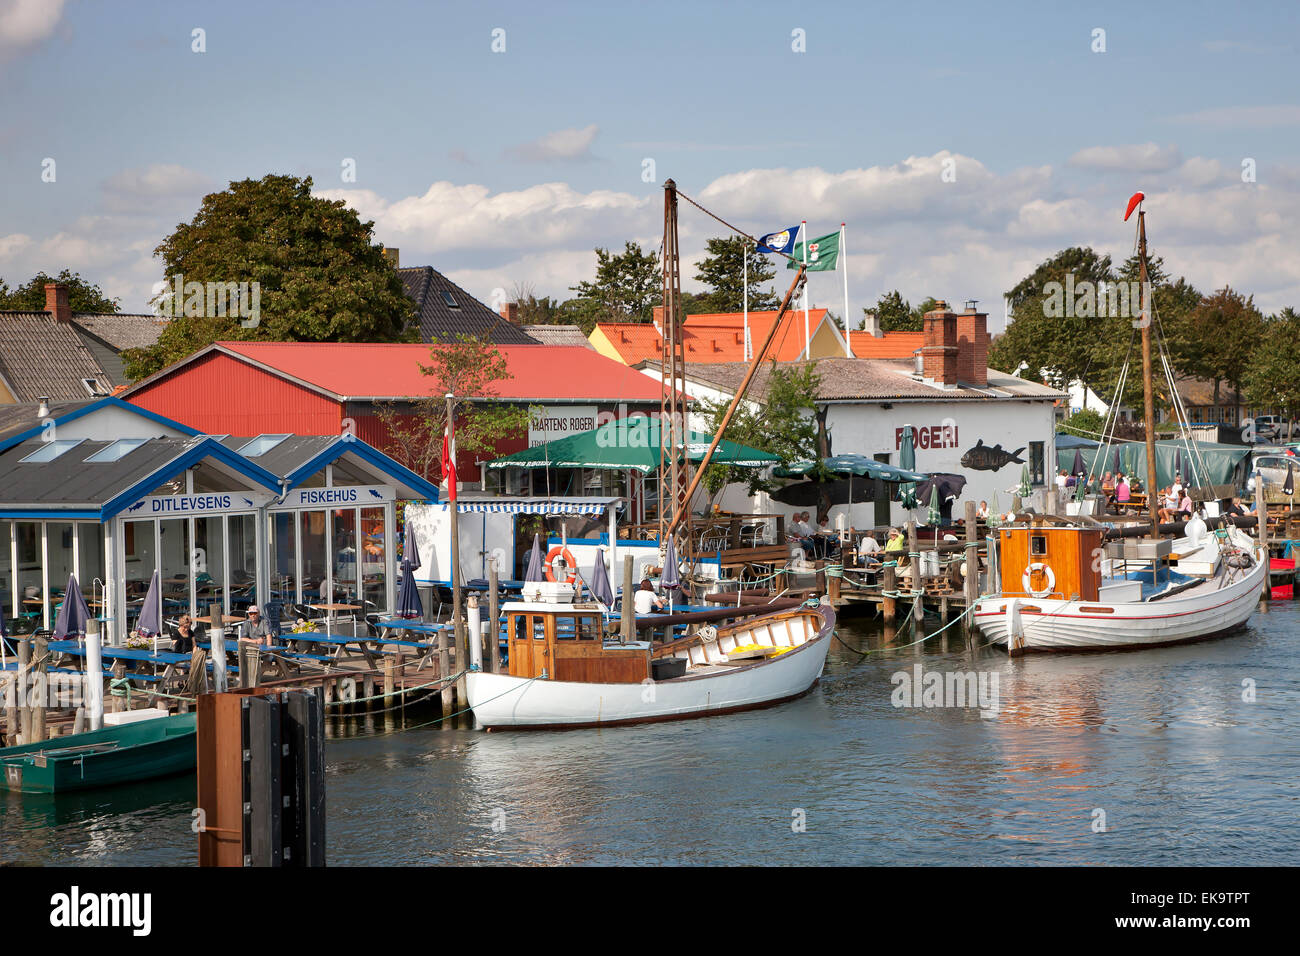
(393, 255)
(510, 312)
(939, 353)
(56, 301)
(872, 324)
(44, 410)
(659, 316)
(972, 346)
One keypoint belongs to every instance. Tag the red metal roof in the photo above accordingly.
(891, 345)
(540, 372)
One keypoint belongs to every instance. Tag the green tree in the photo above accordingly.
(1040, 334)
(783, 424)
(917, 318)
(1226, 330)
(627, 287)
(1273, 379)
(321, 278)
(83, 296)
(895, 313)
(1084, 423)
(470, 369)
(723, 273)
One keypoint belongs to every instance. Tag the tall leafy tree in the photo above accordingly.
(83, 296)
(627, 287)
(722, 271)
(470, 369)
(1226, 330)
(895, 313)
(321, 277)
(1273, 379)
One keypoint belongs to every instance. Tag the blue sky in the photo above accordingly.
(505, 168)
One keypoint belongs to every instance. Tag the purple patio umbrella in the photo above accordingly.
(536, 562)
(409, 605)
(73, 613)
(1078, 468)
(150, 622)
(410, 550)
(600, 587)
(1288, 487)
(670, 580)
(1114, 462)
(1178, 461)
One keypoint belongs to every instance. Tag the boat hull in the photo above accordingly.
(1031, 625)
(503, 701)
(142, 751)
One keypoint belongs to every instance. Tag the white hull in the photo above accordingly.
(499, 700)
(1026, 624)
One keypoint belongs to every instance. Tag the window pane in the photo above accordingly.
(209, 563)
(90, 558)
(284, 558)
(6, 570)
(60, 561)
(345, 555)
(314, 554)
(174, 568)
(139, 566)
(243, 561)
(373, 541)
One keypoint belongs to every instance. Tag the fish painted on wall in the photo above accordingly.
(990, 457)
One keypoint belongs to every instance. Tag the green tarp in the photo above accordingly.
(1220, 461)
(628, 444)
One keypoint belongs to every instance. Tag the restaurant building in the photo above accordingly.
(226, 521)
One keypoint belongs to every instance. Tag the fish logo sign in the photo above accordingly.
(990, 458)
(135, 507)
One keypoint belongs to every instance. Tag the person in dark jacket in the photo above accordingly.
(186, 635)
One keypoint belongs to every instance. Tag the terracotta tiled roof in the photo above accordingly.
(715, 337)
(892, 345)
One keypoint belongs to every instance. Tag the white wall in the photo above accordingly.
(110, 422)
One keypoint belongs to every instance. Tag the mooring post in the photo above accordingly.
(40, 687)
(627, 623)
(888, 589)
(1261, 525)
(492, 652)
(23, 697)
(475, 659)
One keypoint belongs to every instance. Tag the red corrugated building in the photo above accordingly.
(324, 388)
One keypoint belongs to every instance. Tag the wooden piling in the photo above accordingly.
(40, 687)
(1261, 521)
(492, 653)
(888, 603)
(444, 671)
(24, 697)
(627, 623)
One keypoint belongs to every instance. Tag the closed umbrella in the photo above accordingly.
(1178, 461)
(1114, 464)
(934, 517)
(4, 637)
(150, 623)
(1078, 468)
(410, 550)
(670, 579)
(409, 605)
(995, 513)
(73, 613)
(536, 561)
(907, 460)
(600, 586)
(1288, 487)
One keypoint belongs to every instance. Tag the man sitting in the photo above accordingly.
(801, 532)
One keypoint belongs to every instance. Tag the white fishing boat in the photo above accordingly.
(567, 671)
(1064, 588)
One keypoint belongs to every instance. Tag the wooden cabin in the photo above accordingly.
(567, 643)
(1047, 562)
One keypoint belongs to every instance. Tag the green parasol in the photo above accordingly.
(934, 517)
(1025, 489)
(907, 461)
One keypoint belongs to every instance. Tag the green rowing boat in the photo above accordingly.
(124, 754)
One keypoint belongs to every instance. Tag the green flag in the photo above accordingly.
(823, 253)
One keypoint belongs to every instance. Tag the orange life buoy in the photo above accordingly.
(560, 551)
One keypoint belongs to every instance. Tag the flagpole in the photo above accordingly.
(841, 261)
(745, 246)
(455, 529)
(807, 343)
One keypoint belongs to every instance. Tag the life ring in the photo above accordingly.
(560, 551)
(1051, 580)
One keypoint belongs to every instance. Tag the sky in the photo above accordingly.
(501, 143)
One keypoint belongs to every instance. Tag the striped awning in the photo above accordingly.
(538, 506)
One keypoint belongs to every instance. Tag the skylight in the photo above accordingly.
(260, 445)
(117, 450)
(51, 450)
(450, 300)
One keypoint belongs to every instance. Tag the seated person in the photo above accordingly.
(868, 549)
(645, 601)
(895, 543)
(801, 532)
(1122, 493)
(1185, 507)
(255, 630)
(982, 511)
(1234, 508)
(186, 635)
(827, 539)
(1108, 484)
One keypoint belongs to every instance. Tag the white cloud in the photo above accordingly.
(564, 144)
(145, 187)
(26, 23)
(1144, 158)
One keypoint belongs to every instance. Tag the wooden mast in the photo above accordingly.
(1148, 399)
(674, 463)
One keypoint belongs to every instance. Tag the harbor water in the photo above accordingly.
(1184, 755)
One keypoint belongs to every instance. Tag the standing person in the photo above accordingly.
(255, 630)
(645, 601)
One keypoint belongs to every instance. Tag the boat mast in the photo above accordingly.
(1148, 400)
(674, 463)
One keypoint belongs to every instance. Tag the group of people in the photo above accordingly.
(816, 542)
(253, 630)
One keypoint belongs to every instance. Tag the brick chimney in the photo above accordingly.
(939, 353)
(510, 312)
(56, 301)
(972, 346)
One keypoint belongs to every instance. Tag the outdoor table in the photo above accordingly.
(225, 619)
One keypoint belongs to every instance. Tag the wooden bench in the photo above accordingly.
(763, 554)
